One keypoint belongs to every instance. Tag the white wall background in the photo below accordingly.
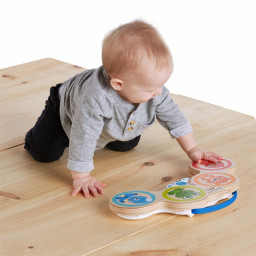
(213, 42)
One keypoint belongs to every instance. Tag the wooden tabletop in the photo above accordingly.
(39, 217)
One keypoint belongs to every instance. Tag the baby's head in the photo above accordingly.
(137, 60)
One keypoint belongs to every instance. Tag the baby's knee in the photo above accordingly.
(123, 146)
(42, 156)
(41, 151)
(47, 157)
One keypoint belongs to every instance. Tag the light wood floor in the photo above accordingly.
(39, 217)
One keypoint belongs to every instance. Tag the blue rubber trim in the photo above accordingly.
(217, 206)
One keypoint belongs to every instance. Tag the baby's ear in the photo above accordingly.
(117, 84)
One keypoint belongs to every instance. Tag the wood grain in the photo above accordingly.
(46, 220)
(221, 233)
(24, 90)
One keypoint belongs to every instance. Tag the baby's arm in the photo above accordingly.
(195, 153)
(85, 131)
(87, 184)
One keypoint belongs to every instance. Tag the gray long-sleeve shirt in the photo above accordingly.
(92, 114)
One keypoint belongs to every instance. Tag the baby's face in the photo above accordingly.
(145, 85)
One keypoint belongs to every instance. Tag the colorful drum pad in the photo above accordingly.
(206, 165)
(215, 179)
(134, 198)
(184, 193)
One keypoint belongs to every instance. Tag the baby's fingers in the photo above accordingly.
(93, 190)
(211, 156)
(101, 184)
(75, 191)
(219, 157)
(100, 189)
(86, 191)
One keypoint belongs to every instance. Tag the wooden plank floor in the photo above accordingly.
(44, 220)
(24, 90)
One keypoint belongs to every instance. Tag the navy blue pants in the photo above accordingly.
(47, 140)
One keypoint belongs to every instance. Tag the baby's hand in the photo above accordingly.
(197, 153)
(88, 185)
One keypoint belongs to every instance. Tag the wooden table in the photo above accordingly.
(39, 217)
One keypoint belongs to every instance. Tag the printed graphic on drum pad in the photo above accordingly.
(184, 193)
(210, 183)
(134, 198)
(206, 165)
(214, 179)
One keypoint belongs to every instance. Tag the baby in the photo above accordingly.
(111, 106)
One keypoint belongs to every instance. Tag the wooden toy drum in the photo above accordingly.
(213, 182)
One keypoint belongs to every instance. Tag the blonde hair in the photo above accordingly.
(125, 47)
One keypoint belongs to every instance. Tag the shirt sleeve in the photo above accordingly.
(87, 125)
(170, 117)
